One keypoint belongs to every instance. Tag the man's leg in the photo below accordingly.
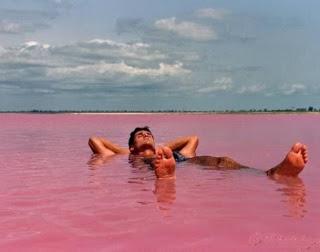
(292, 164)
(218, 163)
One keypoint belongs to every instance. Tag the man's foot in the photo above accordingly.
(293, 163)
(164, 163)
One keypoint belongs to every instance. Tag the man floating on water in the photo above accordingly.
(164, 158)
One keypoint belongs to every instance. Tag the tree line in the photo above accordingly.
(265, 110)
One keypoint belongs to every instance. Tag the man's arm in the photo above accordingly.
(185, 145)
(100, 145)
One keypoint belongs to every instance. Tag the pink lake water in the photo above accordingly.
(55, 197)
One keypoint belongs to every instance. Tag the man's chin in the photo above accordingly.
(147, 146)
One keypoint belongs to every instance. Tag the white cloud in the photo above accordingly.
(29, 16)
(33, 45)
(118, 44)
(32, 49)
(221, 84)
(31, 52)
(141, 51)
(9, 27)
(251, 89)
(108, 70)
(186, 29)
(292, 89)
(217, 14)
(2, 51)
(94, 61)
(88, 52)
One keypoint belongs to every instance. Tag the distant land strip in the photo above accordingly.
(38, 111)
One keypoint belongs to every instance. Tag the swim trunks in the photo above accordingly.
(179, 157)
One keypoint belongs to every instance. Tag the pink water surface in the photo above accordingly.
(55, 197)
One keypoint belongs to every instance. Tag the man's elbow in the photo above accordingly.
(93, 141)
(194, 139)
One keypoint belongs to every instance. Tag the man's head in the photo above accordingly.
(141, 139)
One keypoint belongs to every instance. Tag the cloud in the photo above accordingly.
(33, 46)
(141, 51)
(2, 50)
(108, 70)
(24, 63)
(27, 15)
(26, 18)
(94, 66)
(170, 46)
(13, 21)
(130, 25)
(11, 90)
(293, 89)
(63, 3)
(30, 54)
(217, 14)
(186, 29)
(221, 84)
(118, 44)
(200, 27)
(100, 49)
(86, 52)
(9, 27)
(253, 89)
(58, 1)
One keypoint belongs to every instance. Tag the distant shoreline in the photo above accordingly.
(162, 112)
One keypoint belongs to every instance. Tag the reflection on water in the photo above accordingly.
(294, 193)
(164, 189)
(292, 189)
(165, 192)
(50, 192)
(139, 164)
(97, 160)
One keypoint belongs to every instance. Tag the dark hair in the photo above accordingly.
(132, 134)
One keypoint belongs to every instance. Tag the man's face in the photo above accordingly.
(143, 140)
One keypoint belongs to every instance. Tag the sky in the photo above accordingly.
(159, 55)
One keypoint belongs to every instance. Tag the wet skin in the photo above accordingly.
(164, 163)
